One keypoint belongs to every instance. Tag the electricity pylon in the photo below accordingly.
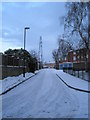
(40, 53)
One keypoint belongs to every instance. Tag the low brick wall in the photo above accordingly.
(11, 71)
(81, 66)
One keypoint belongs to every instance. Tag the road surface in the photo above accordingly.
(44, 96)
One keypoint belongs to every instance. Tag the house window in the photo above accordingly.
(78, 57)
(81, 57)
(65, 58)
(87, 56)
(74, 57)
(77, 51)
(74, 53)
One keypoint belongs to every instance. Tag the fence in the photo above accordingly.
(80, 70)
(11, 61)
(12, 66)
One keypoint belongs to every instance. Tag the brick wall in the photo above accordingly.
(70, 56)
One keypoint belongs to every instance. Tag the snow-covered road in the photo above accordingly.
(44, 96)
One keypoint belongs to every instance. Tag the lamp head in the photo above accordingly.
(26, 28)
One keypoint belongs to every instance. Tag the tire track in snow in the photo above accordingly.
(49, 103)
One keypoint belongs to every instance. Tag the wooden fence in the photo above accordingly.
(11, 66)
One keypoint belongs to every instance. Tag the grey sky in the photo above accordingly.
(43, 20)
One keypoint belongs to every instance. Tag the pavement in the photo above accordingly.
(9, 88)
(73, 82)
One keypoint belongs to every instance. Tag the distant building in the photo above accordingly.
(49, 65)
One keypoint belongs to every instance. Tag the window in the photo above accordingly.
(78, 56)
(77, 51)
(65, 58)
(74, 57)
(74, 53)
(87, 56)
(82, 57)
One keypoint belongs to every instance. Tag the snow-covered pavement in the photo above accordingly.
(73, 81)
(44, 96)
(9, 82)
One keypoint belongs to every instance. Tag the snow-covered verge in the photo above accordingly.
(12, 81)
(37, 71)
(73, 81)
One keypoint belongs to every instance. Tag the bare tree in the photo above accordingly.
(34, 54)
(76, 20)
(33, 64)
(56, 58)
(63, 48)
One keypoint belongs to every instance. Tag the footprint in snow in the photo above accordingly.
(43, 110)
(9, 116)
(30, 115)
(48, 112)
(85, 114)
(74, 110)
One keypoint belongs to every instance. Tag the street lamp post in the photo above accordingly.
(26, 28)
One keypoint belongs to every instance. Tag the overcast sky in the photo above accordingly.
(43, 20)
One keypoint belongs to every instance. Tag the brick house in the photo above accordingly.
(79, 55)
(75, 56)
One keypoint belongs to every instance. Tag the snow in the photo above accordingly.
(12, 81)
(73, 81)
(45, 96)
